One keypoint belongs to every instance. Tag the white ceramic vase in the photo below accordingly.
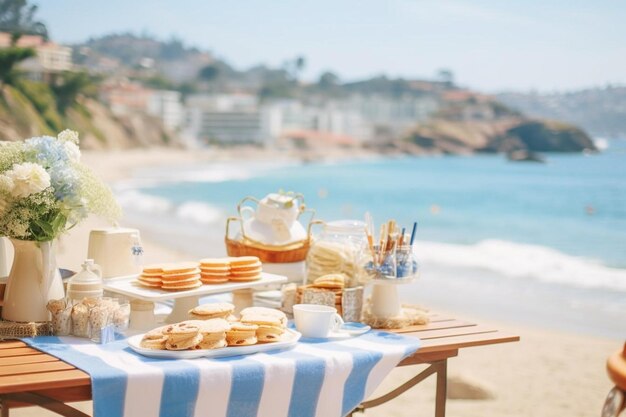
(33, 281)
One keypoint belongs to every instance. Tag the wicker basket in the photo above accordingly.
(276, 255)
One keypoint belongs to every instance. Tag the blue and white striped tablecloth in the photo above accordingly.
(325, 378)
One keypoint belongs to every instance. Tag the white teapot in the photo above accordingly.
(275, 220)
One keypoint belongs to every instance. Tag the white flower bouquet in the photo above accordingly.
(45, 190)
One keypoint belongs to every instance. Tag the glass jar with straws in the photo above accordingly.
(392, 256)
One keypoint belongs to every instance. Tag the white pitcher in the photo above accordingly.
(34, 280)
(6, 257)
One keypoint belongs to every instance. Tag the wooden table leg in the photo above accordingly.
(442, 388)
(439, 367)
(4, 408)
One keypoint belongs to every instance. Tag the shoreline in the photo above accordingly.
(539, 376)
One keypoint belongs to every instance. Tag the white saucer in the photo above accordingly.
(354, 328)
(350, 329)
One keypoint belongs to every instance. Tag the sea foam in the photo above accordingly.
(523, 261)
(136, 202)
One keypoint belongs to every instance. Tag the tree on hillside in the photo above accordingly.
(17, 16)
(328, 80)
(71, 85)
(209, 73)
(295, 67)
(9, 57)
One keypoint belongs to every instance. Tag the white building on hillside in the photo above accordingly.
(224, 118)
(285, 116)
(397, 114)
(167, 106)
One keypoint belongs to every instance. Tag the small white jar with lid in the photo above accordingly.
(85, 284)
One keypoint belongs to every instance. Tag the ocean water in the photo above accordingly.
(532, 243)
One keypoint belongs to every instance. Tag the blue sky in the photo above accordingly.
(491, 45)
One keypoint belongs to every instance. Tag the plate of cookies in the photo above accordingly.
(213, 331)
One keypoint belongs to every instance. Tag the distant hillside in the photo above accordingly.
(21, 118)
(466, 121)
(601, 111)
(488, 126)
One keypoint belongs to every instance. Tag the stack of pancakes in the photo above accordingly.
(190, 275)
(151, 276)
(235, 269)
(172, 277)
(245, 268)
(214, 270)
(181, 276)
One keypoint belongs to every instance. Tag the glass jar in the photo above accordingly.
(336, 251)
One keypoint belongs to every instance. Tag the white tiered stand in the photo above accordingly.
(183, 300)
(385, 302)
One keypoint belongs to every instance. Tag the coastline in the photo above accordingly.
(548, 373)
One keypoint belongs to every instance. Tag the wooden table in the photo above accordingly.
(30, 377)
(441, 339)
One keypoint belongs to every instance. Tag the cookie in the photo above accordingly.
(180, 275)
(183, 343)
(264, 311)
(157, 343)
(215, 263)
(215, 271)
(212, 279)
(153, 269)
(212, 310)
(154, 333)
(264, 315)
(213, 333)
(212, 344)
(180, 287)
(241, 334)
(178, 329)
(330, 281)
(268, 334)
(179, 268)
(149, 280)
(245, 278)
(182, 281)
(249, 268)
(244, 262)
(247, 273)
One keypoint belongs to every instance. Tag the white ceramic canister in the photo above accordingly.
(87, 283)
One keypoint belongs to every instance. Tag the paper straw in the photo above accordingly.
(413, 233)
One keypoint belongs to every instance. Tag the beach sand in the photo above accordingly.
(545, 374)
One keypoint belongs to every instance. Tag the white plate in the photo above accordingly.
(129, 287)
(288, 340)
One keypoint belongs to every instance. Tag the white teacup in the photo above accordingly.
(313, 320)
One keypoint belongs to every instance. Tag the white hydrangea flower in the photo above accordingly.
(72, 150)
(68, 136)
(28, 178)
